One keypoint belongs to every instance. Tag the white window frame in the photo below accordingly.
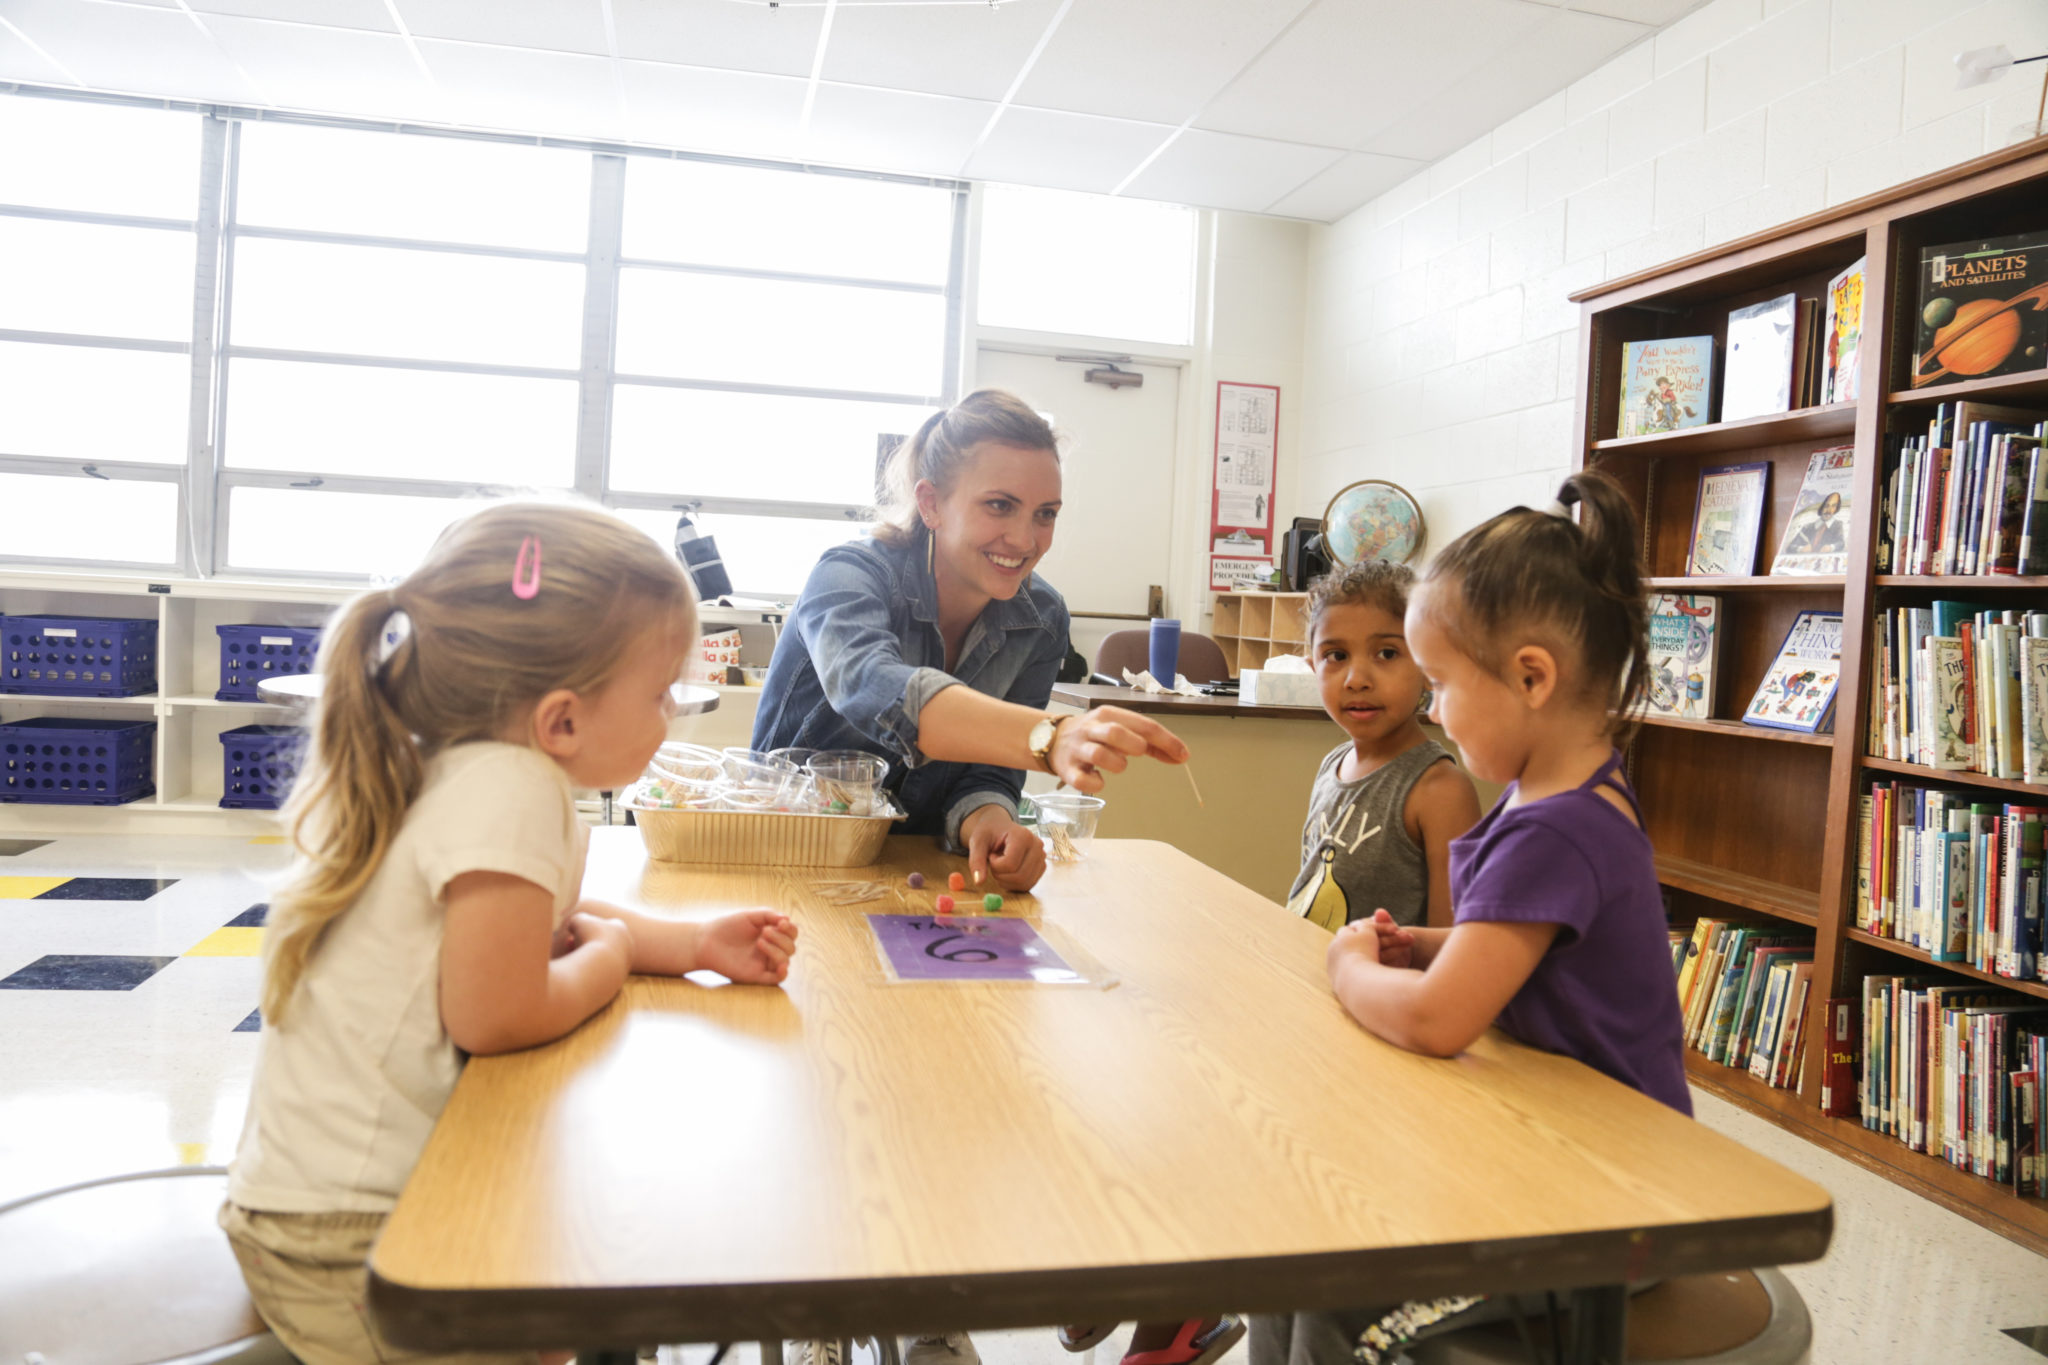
(206, 483)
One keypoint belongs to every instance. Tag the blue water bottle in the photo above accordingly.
(1165, 650)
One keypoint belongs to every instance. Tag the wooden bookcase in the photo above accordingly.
(1253, 627)
(1761, 825)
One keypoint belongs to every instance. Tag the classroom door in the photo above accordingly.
(1117, 482)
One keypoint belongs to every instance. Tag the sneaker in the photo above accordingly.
(954, 1348)
(814, 1353)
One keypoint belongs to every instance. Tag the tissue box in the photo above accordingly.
(1263, 687)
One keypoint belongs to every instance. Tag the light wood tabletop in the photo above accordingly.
(844, 1156)
(1087, 696)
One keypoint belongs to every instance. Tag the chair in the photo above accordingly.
(1747, 1317)
(124, 1271)
(1201, 658)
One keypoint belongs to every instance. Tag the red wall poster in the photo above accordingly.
(1241, 505)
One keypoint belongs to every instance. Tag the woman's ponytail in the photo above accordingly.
(359, 777)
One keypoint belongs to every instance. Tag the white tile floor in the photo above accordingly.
(96, 1082)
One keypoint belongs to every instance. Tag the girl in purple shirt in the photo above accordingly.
(1532, 632)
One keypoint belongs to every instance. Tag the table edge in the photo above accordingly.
(523, 1318)
(1148, 704)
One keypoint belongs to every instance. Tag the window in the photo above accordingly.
(394, 323)
(97, 206)
(1087, 265)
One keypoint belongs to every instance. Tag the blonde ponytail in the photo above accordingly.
(468, 657)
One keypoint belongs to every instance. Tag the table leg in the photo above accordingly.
(1600, 1325)
(771, 1353)
(607, 1358)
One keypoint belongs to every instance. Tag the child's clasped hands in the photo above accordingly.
(1379, 939)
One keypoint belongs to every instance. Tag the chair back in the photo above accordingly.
(1201, 658)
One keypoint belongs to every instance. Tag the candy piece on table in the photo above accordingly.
(916, 879)
(944, 905)
(957, 882)
(991, 901)
(837, 808)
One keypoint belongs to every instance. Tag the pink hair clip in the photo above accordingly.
(526, 572)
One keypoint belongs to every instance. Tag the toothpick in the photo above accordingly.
(1189, 770)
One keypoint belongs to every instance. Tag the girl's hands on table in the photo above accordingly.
(1007, 853)
(751, 946)
(1104, 739)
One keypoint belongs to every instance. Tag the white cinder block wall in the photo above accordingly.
(1440, 344)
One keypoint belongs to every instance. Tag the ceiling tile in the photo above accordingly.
(973, 51)
(1358, 179)
(559, 25)
(564, 93)
(1064, 151)
(20, 62)
(1217, 170)
(1347, 70)
(130, 48)
(329, 70)
(889, 130)
(735, 113)
(1191, 50)
(1492, 90)
(719, 33)
(366, 14)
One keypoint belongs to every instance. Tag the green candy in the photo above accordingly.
(991, 901)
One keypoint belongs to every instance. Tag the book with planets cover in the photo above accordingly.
(1665, 384)
(1983, 309)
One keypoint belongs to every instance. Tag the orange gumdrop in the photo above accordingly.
(957, 882)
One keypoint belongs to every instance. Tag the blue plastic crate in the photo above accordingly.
(77, 656)
(64, 761)
(262, 762)
(249, 654)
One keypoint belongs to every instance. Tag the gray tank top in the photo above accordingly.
(1356, 856)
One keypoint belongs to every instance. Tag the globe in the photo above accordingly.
(1373, 519)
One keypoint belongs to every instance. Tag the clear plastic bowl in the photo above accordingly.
(1066, 824)
(847, 776)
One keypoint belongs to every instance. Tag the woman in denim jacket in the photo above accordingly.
(932, 645)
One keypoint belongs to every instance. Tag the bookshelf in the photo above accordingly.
(1760, 826)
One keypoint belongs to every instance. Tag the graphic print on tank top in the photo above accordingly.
(1321, 899)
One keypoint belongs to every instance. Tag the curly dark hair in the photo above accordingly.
(1368, 583)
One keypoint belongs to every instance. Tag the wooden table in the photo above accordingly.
(843, 1157)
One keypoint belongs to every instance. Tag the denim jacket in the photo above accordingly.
(861, 655)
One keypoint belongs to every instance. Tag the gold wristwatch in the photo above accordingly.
(1041, 740)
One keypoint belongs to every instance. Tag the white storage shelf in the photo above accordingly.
(189, 721)
(187, 767)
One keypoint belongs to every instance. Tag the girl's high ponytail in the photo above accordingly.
(362, 772)
(1612, 566)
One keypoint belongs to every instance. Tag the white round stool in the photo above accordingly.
(131, 1270)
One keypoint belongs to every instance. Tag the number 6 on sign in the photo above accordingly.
(961, 948)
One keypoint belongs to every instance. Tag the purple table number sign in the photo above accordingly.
(962, 948)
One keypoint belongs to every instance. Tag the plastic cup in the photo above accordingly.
(686, 775)
(1165, 654)
(847, 776)
(756, 780)
(1066, 824)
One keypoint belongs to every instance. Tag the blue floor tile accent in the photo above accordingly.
(10, 848)
(85, 972)
(253, 1024)
(252, 918)
(108, 889)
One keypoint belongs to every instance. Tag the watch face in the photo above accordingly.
(1041, 737)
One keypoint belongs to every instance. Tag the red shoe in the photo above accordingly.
(1192, 1346)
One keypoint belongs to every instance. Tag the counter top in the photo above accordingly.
(1090, 695)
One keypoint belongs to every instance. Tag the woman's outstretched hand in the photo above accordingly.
(1104, 740)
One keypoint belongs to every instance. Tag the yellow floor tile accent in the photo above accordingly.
(232, 941)
(28, 888)
(267, 839)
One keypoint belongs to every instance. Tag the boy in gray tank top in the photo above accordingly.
(1387, 802)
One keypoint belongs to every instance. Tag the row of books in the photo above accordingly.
(1961, 687)
(1742, 989)
(1782, 353)
(1960, 880)
(1953, 1071)
(1968, 497)
(1797, 691)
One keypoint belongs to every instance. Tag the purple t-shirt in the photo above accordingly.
(1604, 992)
